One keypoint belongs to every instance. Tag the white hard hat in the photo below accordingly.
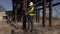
(31, 4)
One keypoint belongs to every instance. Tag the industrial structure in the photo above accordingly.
(37, 3)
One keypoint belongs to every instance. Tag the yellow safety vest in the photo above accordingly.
(30, 12)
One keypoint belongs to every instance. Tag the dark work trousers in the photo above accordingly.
(30, 23)
(24, 22)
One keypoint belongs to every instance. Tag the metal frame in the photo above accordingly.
(44, 10)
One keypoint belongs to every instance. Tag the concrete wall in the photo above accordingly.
(1, 15)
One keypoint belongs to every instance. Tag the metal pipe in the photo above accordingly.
(44, 12)
(50, 13)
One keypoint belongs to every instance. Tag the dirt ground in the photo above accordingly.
(38, 29)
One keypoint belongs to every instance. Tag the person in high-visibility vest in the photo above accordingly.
(30, 16)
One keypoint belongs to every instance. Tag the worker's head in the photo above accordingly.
(31, 4)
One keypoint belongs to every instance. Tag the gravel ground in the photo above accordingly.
(38, 29)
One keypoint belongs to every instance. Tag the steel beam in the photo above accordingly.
(14, 12)
(38, 16)
(50, 13)
(13, 9)
(15, 15)
(48, 6)
(44, 13)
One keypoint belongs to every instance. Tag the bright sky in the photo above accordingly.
(7, 4)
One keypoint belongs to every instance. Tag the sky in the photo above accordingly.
(7, 4)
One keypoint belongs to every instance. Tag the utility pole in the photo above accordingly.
(50, 13)
(44, 13)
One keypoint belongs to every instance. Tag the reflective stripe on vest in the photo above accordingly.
(30, 12)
